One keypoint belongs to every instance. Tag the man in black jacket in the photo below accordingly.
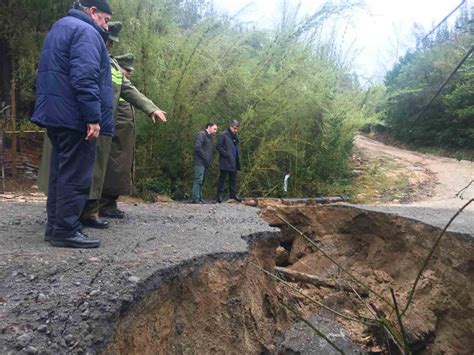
(202, 159)
(229, 163)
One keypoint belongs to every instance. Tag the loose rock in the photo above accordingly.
(134, 279)
(23, 340)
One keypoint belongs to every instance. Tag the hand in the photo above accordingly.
(93, 130)
(158, 114)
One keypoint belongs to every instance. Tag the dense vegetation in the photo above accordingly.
(291, 88)
(298, 104)
(23, 25)
(414, 80)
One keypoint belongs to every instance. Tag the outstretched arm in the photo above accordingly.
(132, 95)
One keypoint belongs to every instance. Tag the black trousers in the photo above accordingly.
(232, 183)
(72, 162)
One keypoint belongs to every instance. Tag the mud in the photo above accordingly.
(386, 251)
(223, 307)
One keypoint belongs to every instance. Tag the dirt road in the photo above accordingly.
(441, 178)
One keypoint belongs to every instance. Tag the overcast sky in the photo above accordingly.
(379, 33)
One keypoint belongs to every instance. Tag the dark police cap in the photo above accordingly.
(114, 28)
(101, 5)
(126, 61)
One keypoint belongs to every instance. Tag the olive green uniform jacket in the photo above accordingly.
(122, 88)
(118, 175)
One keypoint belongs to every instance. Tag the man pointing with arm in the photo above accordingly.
(109, 149)
(118, 175)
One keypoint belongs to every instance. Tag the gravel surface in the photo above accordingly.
(435, 216)
(67, 300)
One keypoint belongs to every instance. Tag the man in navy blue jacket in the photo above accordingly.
(229, 161)
(74, 104)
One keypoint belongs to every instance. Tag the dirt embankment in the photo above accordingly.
(383, 252)
(219, 307)
(231, 306)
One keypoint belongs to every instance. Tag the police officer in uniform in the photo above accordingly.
(119, 173)
(110, 149)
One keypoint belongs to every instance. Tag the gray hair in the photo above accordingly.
(79, 6)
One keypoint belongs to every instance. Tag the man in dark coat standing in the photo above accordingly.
(202, 159)
(74, 104)
(229, 162)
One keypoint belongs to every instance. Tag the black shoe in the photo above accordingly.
(220, 199)
(197, 201)
(237, 198)
(203, 201)
(116, 213)
(94, 223)
(77, 240)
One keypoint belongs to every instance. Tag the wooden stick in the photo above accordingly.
(13, 117)
(363, 320)
(347, 272)
(295, 276)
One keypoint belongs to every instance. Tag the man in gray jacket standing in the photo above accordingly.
(202, 159)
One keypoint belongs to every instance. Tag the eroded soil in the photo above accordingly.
(384, 252)
(222, 307)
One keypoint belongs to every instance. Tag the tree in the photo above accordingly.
(414, 80)
(23, 26)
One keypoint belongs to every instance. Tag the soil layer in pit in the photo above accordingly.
(222, 305)
(384, 251)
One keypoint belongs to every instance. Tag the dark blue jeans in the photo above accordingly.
(232, 183)
(72, 162)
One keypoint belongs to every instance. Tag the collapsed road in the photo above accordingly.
(168, 278)
(59, 300)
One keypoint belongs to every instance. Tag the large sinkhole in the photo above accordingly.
(227, 304)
